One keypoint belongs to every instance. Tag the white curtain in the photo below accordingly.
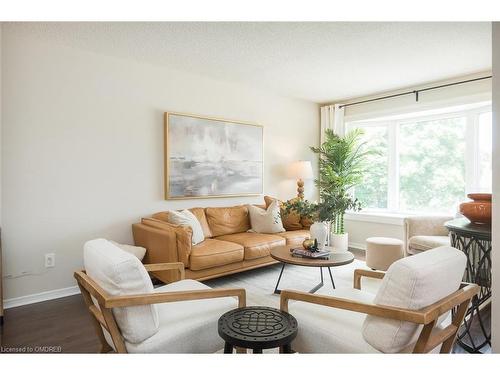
(332, 117)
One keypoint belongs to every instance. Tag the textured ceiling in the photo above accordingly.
(319, 62)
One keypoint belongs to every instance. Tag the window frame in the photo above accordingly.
(472, 147)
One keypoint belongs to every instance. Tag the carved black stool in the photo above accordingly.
(257, 328)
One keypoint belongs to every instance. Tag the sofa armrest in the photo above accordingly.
(165, 243)
(155, 267)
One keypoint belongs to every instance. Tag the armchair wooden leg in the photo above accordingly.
(457, 322)
(104, 346)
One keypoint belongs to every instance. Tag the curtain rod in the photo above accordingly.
(414, 92)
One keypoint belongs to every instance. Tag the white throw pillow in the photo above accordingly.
(186, 217)
(120, 274)
(137, 251)
(266, 221)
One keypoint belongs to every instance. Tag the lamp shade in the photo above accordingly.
(301, 169)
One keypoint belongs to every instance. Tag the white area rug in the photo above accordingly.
(259, 283)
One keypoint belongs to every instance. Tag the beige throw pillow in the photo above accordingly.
(266, 221)
(137, 251)
(186, 217)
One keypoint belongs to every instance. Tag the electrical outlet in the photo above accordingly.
(50, 260)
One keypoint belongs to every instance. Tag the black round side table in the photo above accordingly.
(475, 241)
(257, 328)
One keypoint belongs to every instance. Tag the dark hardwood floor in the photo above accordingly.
(61, 325)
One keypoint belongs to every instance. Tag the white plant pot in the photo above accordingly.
(339, 242)
(319, 231)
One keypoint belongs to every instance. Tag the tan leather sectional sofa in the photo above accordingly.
(228, 246)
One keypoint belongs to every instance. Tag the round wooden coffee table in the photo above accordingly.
(283, 254)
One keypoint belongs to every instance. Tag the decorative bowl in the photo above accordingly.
(479, 210)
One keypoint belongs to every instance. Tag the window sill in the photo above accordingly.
(376, 217)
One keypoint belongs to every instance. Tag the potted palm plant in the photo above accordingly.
(341, 168)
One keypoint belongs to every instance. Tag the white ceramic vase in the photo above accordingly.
(339, 242)
(319, 231)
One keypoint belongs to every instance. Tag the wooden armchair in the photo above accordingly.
(105, 307)
(425, 326)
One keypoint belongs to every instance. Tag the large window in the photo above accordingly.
(426, 162)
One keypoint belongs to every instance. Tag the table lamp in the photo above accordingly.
(301, 170)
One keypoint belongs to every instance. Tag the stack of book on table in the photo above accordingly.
(303, 253)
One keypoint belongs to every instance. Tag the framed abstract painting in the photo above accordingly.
(208, 157)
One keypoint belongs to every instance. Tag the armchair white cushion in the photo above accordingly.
(325, 329)
(186, 326)
(413, 283)
(173, 327)
(120, 273)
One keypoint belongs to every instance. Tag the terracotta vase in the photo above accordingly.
(479, 210)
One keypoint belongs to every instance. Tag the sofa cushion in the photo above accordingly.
(266, 220)
(256, 245)
(413, 283)
(119, 274)
(186, 326)
(423, 243)
(295, 237)
(199, 212)
(213, 253)
(306, 222)
(227, 220)
(290, 221)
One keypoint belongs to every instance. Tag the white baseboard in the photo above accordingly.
(356, 245)
(40, 297)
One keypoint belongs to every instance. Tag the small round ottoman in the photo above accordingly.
(381, 252)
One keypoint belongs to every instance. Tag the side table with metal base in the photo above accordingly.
(1, 277)
(475, 241)
(257, 328)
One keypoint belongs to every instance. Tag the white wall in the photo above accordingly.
(83, 149)
(495, 319)
(360, 230)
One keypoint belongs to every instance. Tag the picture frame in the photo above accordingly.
(207, 157)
